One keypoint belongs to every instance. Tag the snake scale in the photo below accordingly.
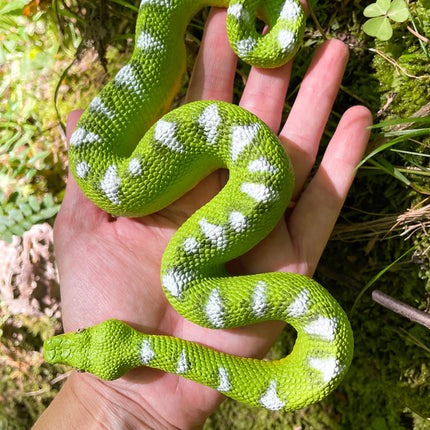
(129, 175)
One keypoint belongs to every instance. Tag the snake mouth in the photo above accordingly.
(56, 349)
(65, 349)
(94, 349)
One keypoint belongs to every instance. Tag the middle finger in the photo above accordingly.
(265, 92)
(305, 124)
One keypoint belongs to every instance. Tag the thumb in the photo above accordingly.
(77, 212)
(72, 120)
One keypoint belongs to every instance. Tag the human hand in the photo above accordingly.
(111, 268)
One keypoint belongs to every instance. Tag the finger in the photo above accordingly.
(215, 67)
(265, 92)
(73, 197)
(306, 122)
(75, 205)
(312, 220)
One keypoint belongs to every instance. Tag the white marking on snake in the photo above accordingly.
(329, 367)
(182, 363)
(322, 326)
(146, 352)
(259, 302)
(175, 282)
(82, 169)
(290, 11)
(239, 12)
(245, 46)
(214, 310)
(110, 184)
(214, 233)
(165, 3)
(210, 120)
(286, 40)
(191, 245)
(224, 383)
(270, 400)
(165, 133)
(241, 137)
(300, 304)
(261, 165)
(259, 192)
(80, 136)
(127, 77)
(146, 41)
(98, 106)
(237, 221)
(134, 167)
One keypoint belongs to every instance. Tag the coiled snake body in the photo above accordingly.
(127, 178)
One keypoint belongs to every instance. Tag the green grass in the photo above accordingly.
(41, 81)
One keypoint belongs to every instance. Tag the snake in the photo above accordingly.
(133, 156)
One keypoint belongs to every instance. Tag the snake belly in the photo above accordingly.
(129, 175)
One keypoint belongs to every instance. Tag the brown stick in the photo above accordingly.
(401, 308)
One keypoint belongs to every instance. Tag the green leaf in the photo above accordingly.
(126, 4)
(378, 27)
(6, 236)
(6, 22)
(25, 209)
(398, 11)
(424, 119)
(34, 203)
(48, 200)
(377, 9)
(14, 7)
(410, 132)
(387, 167)
(49, 212)
(378, 150)
(26, 224)
(17, 230)
(18, 217)
(6, 221)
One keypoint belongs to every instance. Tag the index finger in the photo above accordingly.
(215, 66)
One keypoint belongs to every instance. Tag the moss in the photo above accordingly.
(388, 383)
(25, 379)
(402, 80)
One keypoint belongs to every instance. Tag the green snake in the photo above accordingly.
(129, 175)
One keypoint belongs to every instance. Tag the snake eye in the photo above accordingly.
(80, 371)
(80, 330)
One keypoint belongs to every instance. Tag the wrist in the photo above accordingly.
(85, 402)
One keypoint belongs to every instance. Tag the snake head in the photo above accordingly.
(105, 350)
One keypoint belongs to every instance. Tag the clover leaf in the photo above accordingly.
(380, 14)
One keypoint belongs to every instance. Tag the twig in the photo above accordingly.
(401, 308)
(397, 66)
(423, 45)
(315, 20)
(416, 34)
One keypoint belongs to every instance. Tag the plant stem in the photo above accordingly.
(401, 308)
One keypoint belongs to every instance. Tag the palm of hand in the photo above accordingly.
(111, 268)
